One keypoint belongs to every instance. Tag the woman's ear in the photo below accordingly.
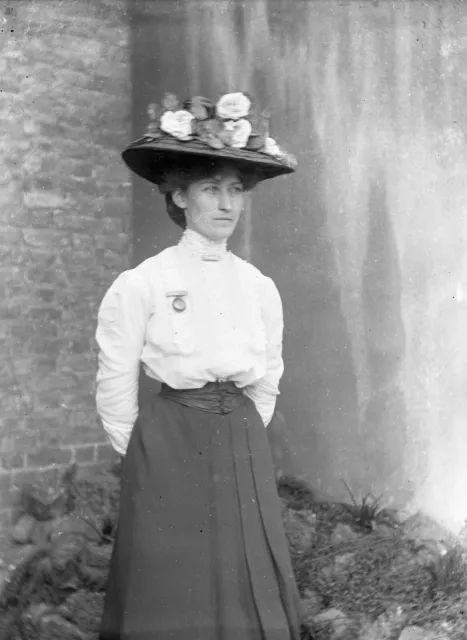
(178, 198)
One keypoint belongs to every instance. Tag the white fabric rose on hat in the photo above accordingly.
(272, 148)
(238, 132)
(233, 106)
(177, 124)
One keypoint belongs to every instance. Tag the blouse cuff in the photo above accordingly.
(119, 435)
(265, 401)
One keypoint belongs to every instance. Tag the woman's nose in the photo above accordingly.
(225, 202)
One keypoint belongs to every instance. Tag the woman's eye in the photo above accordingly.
(211, 189)
(236, 189)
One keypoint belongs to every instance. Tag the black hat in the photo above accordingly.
(229, 130)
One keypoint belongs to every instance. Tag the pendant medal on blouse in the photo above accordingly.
(178, 302)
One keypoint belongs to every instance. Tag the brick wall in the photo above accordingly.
(65, 207)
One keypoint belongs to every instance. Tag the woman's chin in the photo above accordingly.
(222, 235)
(219, 230)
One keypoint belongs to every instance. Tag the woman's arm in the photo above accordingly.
(264, 391)
(120, 334)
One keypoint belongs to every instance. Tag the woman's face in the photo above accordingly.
(213, 205)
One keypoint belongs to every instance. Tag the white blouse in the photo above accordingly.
(228, 327)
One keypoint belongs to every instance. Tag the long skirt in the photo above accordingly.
(200, 551)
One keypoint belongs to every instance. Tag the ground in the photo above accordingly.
(362, 572)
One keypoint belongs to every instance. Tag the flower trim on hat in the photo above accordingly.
(177, 124)
(231, 122)
(233, 106)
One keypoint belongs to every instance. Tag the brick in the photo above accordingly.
(39, 219)
(12, 424)
(81, 346)
(112, 225)
(84, 454)
(81, 241)
(15, 461)
(57, 183)
(47, 457)
(12, 404)
(5, 482)
(19, 477)
(45, 275)
(52, 438)
(46, 295)
(9, 499)
(21, 330)
(46, 184)
(7, 379)
(44, 144)
(79, 257)
(27, 257)
(86, 187)
(116, 207)
(49, 199)
(17, 287)
(57, 381)
(6, 176)
(109, 137)
(46, 330)
(114, 242)
(77, 149)
(10, 235)
(88, 378)
(44, 238)
(8, 492)
(80, 421)
(77, 362)
(5, 252)
(111, 258)
(76, 399)
(6, 519)
(51, 399)
(42, 423)
(88, 432)
(10, 86)
(85, 434)
(105, 452)
(45, 364)
(25, 441)
(45, 314)
(67, 221)
(45, 346)
(11, 309)
(7, 443)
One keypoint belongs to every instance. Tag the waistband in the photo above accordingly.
(214, 397)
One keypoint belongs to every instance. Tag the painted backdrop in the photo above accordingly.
(366, 242)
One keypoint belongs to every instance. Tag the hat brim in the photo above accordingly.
(150, 159)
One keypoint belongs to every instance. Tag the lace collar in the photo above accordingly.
(203, 247)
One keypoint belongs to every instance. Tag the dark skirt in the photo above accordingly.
(200, 551)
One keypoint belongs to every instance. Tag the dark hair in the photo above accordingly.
(180, 177)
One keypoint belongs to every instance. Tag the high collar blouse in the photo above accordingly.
(192, 314)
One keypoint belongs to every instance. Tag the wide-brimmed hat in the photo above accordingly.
(231, 129)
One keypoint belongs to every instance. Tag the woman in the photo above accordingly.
(200, 552)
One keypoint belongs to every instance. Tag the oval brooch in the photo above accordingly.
(179, 304)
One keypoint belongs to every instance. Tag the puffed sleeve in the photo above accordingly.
(121, 328)
(264, 391)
